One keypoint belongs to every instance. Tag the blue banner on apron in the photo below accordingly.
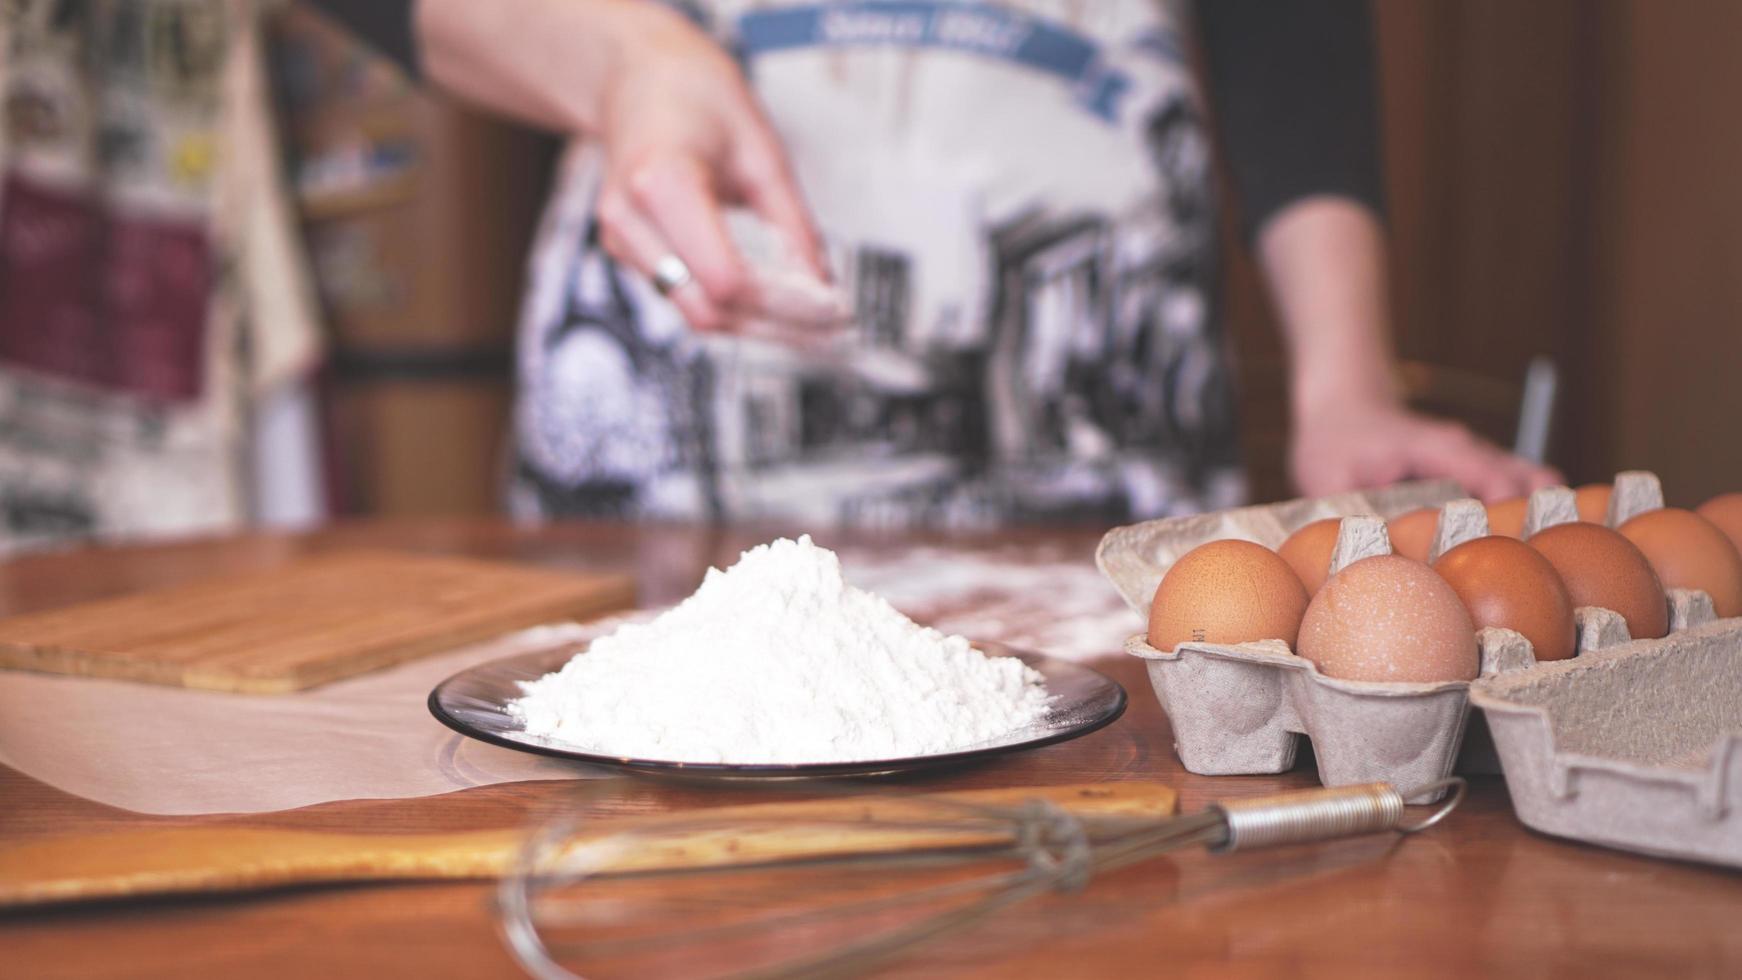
(990, 31)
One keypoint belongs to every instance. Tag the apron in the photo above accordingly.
(1017, 199)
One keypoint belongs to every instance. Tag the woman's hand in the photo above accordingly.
(1359, 444)
(1325, 259)
(682, 133)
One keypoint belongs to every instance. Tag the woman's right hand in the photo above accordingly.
(683, 135)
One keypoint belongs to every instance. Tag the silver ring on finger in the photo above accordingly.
(670, 274)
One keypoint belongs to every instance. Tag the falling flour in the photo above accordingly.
(779, 660)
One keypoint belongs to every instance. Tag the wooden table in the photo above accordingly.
(1479, 894)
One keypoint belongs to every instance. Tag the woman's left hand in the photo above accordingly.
(1325, 258)
(1367, 444)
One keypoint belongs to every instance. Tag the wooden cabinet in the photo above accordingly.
(417, 214)
(1666, 283)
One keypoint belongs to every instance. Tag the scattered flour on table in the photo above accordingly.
(779, 660)
(1036, 598)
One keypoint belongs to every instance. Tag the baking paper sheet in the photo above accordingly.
(164, 750)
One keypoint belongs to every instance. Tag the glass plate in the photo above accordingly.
(475, 703)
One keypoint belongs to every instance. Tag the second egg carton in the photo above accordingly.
(1241, 709)
(1635, 746)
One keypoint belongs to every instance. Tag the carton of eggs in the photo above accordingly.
(1376, 667)
(1636, 743)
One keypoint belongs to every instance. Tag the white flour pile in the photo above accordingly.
(779, 660)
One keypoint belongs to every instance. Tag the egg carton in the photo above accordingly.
(1636, 745)
(1241, 709)
(1633, 744)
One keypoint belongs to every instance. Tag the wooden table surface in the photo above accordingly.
(1478, 894)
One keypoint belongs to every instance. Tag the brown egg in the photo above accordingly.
(1227, 592)
(1389, 618)
(1725, 510)
(1592, 500)
(1507, 517)
(1412, 535)
(1308, 551)
(1602, 568)
(1689, 552)
(1508, 584)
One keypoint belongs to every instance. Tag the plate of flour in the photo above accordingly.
(778, 667)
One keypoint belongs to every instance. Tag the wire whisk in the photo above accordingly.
(797, 890)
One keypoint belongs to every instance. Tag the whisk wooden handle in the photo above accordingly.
(186, 859)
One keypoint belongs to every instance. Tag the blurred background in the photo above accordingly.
(1561, 182)
(1565, 182)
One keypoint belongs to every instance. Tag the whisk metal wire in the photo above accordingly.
(1047, 847)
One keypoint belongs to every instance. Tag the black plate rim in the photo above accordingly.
(1122, 700)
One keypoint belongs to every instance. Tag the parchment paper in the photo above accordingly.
(164, 750)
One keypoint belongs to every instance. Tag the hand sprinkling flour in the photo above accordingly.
(779, 660)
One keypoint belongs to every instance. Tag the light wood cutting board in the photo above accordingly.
(182, 860)
(304, 623)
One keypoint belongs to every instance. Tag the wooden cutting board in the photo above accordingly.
(308, 622)
(182, 860)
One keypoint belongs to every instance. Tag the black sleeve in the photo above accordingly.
(1292, 90)
(385, 24)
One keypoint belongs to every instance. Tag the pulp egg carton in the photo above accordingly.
(1241, 709)
(1635, 745)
